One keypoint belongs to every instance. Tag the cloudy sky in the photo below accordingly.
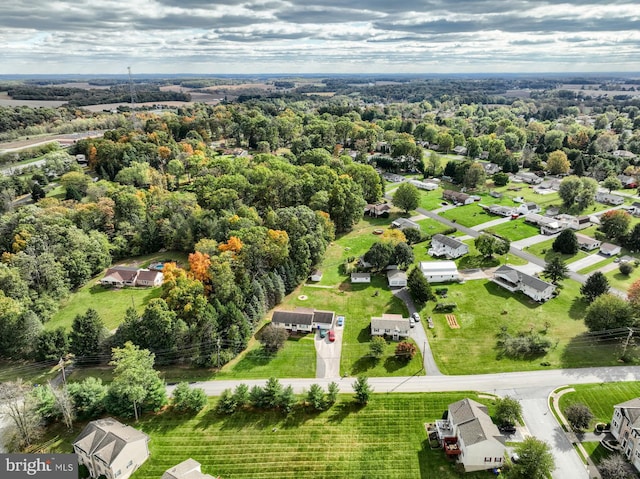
(318, 36)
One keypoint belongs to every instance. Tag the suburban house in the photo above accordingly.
(625, 427)
(439, 271)
(422, 185)
(397, 278)
(120, 276)
(624, 154)
(189, 469)
(403, 223)
(393, 325)
(514, 280)
(552, 225)
(491, 168)
(316, 275)
(460, 150)
(448, 247)
(609, 198)
(609, 249)
(628, 181)
(548, 186)
(381, 209)
(469, 434)
(587, 243)
(111, 449)
(530, 178)
(457, 197)
(361, 277)
(528, 208)
(303, 319)
(501, 210)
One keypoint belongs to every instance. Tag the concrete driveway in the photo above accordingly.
(328, 354)
(586, 262)
(491, 223)
(523, 243)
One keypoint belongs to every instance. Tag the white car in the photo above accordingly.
(415, 317)
(412, 322)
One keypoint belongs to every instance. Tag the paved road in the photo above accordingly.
(328, 355)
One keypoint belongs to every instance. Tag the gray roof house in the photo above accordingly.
(587, 243)
(528, 208)
(609, 249)
(469, 434)
(625, 427)
(609, 198)
(361, 277)
(189, 469)
(396, 278)
(393, 325)
(403, 223)
(501, 210)
(448, 247)
(514, 280)
(111, 449)
(302, 319)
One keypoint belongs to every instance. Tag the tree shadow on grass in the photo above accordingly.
(578, 308)
(494, 290)
(362, 365)
(340, 411)
(477, 261)
(254, 358)
(364, 336)
(392, 364)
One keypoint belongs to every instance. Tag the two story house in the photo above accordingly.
(392, 325)
(448, 247)
(111, 449)
(625, 427)
(513, 280)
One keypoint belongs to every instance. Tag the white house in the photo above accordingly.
(530, 178)
(424, 185)
(469, 434)
(189, 469)
(625, 427)
(609, 198)
(111, 449)
(393, 325)
(608, 249)
(514, 280)
(528, 208)
(316, 276)
(149, 278)
(403, 223)
(448, 247)
(587, 243)
(396, 278)
(302, 319)
(120, 276)
(491, 168)
(439, 271)
(361, 277)
(501, 210)
(634, 209)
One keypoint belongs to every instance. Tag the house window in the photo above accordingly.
(498, 459)
(118, 472)
(130, 464)
(487, 459)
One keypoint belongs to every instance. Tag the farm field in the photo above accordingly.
(386, 439)
(472, 348)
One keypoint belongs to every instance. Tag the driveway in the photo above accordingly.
(586, 262)
(523, 243)
(328, 354)
(491, 223)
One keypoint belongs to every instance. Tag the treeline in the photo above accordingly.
(84, 96)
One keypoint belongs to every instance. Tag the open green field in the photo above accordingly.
(545, 251)
(484, 307)
(620, 281)
(469, 215)
(384, 440)
(514, 230)
(30, 372)
(431, 200)
(358, 303)
(601, 397)
(431, 227)
(111, 303)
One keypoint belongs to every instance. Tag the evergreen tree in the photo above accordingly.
(87, 333)
(418, 286)
(595, 285)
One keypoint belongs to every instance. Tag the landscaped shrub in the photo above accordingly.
(523, 345)
(445, 307)
(405, 351)
(186, 399)
(442, 291)
(625, 268)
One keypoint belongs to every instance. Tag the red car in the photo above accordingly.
(332, 335)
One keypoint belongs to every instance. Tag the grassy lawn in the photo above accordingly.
(620, 281)
(514, 230)
(483, 307)
(358, 304)
(469, 215)
(35, 373)
(431, 200)
(545, 251)
(386, 439)
(601, 397)
(528, 194)
(596, 451)
(598, 265)
(431, 227)
(111, 303)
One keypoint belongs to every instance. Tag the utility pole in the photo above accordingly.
(218, 356)
(64, 377)
(626, 343)
(132, 90)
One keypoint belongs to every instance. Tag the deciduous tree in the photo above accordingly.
(377, 346)
(596, 284)
(535, 460)
(508, 411)
(615, 224)
(608, 311)
(406, 197)
(557, 163)
(579, 416)
(405, 351)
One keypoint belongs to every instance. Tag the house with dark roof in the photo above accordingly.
(111, 449)
(501, 210)
(316, 275)
(302, 319)
(469, 434)
(445, 246)
(392, 325)
(457, 197)
(189, 469)
(527, 177)
(120, 276)
(376, 210)
(625, 427)
(149, 278)
(513, 280)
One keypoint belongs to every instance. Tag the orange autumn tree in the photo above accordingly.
(633, 295)
(199, 264)
(234, 244)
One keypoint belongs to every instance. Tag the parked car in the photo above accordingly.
(323, 333)
(416, 316)
(332, 335)
(340, 320)
(507, 429)
(412, 322)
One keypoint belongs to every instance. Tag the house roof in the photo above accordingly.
(531, 206)
(395, 322)
(297, 316)
(500, 209)
(516, 276)
(609, 248)
(447, 241)
(121, 273)
(324, 317)
(455, 194)
(189, 469)
(146, 275)
(631, 410)
(380, 208)
(360, 275)
(582, 239)
(106, 438)
(396, 274)
(435, 267)
(473, 421)
(405, 223)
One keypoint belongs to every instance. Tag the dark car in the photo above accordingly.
(507, 429)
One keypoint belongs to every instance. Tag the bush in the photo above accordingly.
(186, 399)
(273, 338)
(523, 345)
(445, 307)
(442, 291)
(377, 346)
(405, 351)
(88, 397)
(625, 268)
(579, 416)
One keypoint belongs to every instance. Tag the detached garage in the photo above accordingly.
(397, 278)
(439, 271)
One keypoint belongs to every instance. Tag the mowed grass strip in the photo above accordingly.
(483, 308)
(469, 215)
(601, 397)
(545, 251)
(514, 230)
(385, 439)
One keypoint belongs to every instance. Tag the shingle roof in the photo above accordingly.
(106, 438)
(324, 317)
(473, 421)
(298, 316)
(394, 322)
(631, 410)
(360, 275)
(516, 276)
(189, 469)
(146, 275)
